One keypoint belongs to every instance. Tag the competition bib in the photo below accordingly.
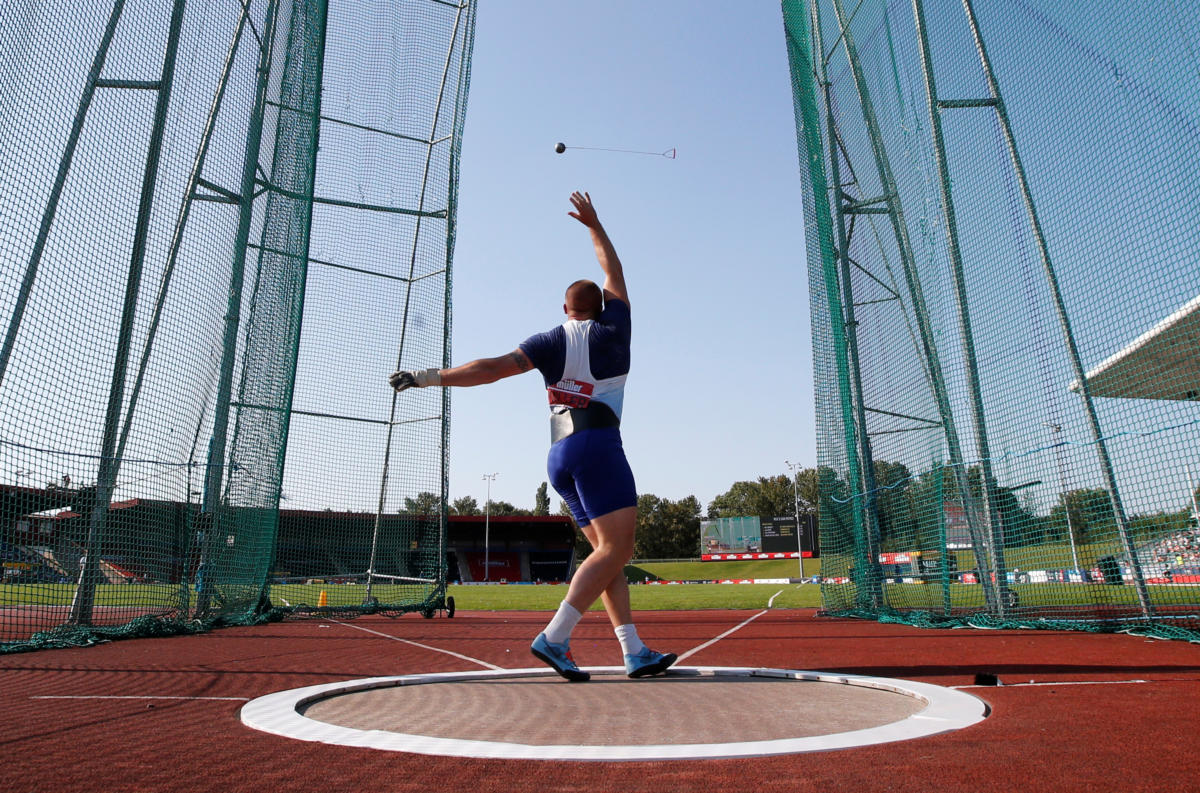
(571, 393)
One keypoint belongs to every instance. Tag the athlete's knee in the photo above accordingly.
(614, 533)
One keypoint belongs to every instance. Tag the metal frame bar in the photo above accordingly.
(912, 278)
(214, 474)
(994, 523)
(871, 535)
(213, 479)
(336, 266)
(60, 180)
(180, 226)
(89, 576)
(314, 151)
(412, 264)
(810, 130)
(1093, 420)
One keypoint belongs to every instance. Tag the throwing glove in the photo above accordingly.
(421, 378)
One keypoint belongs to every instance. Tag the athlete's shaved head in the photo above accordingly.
(584, 300)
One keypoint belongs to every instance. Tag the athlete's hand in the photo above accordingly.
(421, 378)
(584, 212)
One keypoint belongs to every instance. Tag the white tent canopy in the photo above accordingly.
(1162, 363)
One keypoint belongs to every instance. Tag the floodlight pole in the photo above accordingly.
(487, 508)
(795, 469)
(1062, 486)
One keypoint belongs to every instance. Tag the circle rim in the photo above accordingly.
(278, 713)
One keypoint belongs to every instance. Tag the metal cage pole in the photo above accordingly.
(895, 211)
(60, 180)
(412, 264)
(995, 523)
(89, 576)
(214, 473)
(1106, 466)
(842, 255)
(185, 208)
(809, 130)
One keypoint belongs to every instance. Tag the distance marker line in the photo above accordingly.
(484, 664)
(1071, 683)
(713, 641)
(138, 696)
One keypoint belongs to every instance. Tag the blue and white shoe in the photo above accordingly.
(648, 662)
(558, 656)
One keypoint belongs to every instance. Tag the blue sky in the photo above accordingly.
(712, 242)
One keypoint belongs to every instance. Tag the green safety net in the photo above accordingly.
(224, 225)
(1005, 308)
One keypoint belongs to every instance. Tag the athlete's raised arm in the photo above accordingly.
(477, 372)
(614, 276)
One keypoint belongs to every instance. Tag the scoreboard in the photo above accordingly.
(773, 538)
(779, 535)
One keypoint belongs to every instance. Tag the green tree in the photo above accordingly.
(1021, 525)
(1090, 512)
(503, 508)
(667, 529)
(836, 513)
(582, 547)
(894, 506)
(541, 500)
(467, 505)
(423, 504)
(770, 496)
(808, 489)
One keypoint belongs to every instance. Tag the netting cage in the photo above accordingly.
(1005, 308)
(224, 224)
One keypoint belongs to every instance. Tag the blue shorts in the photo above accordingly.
(590, 472)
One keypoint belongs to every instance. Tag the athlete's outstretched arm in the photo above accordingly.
(477, 372)
(614, 276)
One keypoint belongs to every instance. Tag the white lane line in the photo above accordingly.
(713, 641)
(114, 696)
(1070, 683)
(772, 600)
(418, 644)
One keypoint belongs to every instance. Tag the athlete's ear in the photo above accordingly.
(568, 313)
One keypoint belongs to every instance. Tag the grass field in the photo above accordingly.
(653, 597)
(108, 595)
(650, 597)
(644, 598)
(546, 597)
(691, 571)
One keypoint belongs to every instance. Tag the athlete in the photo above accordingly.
(584, 363)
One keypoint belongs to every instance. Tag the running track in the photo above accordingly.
(1075, 711)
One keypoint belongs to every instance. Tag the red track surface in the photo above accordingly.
(1104, 734)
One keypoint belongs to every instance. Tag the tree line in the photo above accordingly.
(666, 528)
(909, 511)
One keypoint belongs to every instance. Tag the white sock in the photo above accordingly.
(631, 643)
(565, 620)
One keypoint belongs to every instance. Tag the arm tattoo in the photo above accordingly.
(521, 360)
